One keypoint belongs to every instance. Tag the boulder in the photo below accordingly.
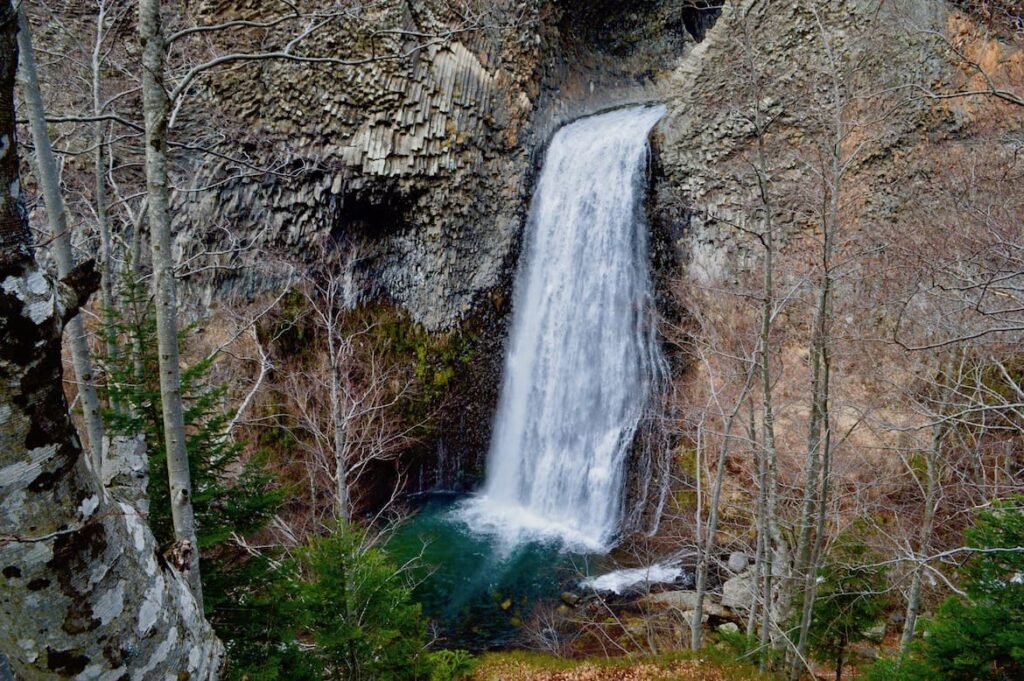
(876, 631)
(680, 600)
(687, 617)
(738, 562)
(570, 599)
(685, 602)
(728, 628)
(738, 592)
(686, 581)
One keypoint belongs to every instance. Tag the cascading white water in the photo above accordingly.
(583, 353)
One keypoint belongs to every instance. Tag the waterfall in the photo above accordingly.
(582, 353)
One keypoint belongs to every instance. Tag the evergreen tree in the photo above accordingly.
(339, 610)
(849, 600)
(978, 637)
(358, 611)
(231, 496)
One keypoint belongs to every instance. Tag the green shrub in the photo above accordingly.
(744, 646)
(979, 636)
(451, 665)
(850, 598)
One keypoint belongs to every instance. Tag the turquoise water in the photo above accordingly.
(477, 591)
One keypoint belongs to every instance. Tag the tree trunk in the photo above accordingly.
(155, 106)
(137, 311)
(819, 440)
(931, 488)
(82, 588)
(126, 470)
(49, 181)
(813, 469)
(705, 552)
(818, 459)
(774, 544)
(341, 504)
(761, 531)
(817, 534)
(102, 218)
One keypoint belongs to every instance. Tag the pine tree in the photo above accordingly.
(980, 636)
(849, 600)
(339, 610)
(231, 495)
(358, 609)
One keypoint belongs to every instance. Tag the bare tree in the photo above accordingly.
(49, 180)
(66, 547)
(932, 468)
(100, 162)
(727, 414)
(344, 406)
(757, 221)
(156, 106)
(817, 469)
(772, 546)
(957, 329)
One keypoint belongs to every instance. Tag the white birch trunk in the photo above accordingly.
(339, 426)
(126, 470)
(927, 522)
(156, 109)
(49, 181)
(100, 162)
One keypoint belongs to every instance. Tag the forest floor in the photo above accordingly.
(537, 667)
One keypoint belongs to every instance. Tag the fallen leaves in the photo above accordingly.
(688, 670)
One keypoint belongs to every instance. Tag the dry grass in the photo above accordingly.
(531, 667)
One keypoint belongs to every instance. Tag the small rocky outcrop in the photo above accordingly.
(739, 591)
(686, 602)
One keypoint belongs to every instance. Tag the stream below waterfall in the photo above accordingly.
(478, 591)
(581, 364)
(481, 592)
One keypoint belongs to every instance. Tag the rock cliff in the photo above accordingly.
(416, 138)
(701, 193)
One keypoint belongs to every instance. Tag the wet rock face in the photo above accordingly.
(651, 27)
(700, 16)
(702, 188)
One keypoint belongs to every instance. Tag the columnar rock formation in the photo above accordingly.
(417, 153)
(422, 147)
